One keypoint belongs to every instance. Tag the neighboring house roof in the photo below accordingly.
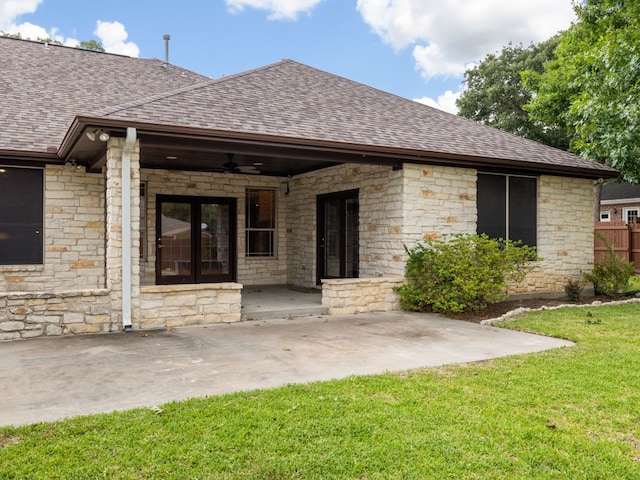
(287, 101)
(620, 192)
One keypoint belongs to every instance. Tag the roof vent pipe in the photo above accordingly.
(166, 38)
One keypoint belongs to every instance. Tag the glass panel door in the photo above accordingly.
(338, 236)
(196, 241)
(332, 250)
(215, 234)
(174, 247)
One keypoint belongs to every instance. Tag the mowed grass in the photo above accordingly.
(571, 413)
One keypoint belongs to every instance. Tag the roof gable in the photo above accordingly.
(288, 99)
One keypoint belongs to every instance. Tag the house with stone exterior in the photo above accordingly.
(136, 194)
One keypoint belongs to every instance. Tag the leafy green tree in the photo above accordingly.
(592, 88)
(48, 40)
(91, 45)
(85, 44)
(496, 96)
(17, 36)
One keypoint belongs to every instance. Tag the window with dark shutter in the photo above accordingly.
(507, 207)
(21, 216)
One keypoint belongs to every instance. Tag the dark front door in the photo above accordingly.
(195, 239)
(338, 237)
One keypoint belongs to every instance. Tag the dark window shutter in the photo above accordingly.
(522, 210)
(21, 216)
(492, 205)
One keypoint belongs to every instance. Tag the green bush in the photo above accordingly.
(573, 288)
(462, 272)
(611, 276)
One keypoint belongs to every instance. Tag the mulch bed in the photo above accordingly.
(498, 309)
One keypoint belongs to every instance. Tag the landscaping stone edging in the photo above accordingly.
(519, 311)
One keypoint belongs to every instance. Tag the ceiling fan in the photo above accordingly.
(231, 167)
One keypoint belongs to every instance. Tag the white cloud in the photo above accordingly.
(448, 35)
(28, 30)
(112, 34)
(446, 101)
(10, 10)
(279, 9)
(113, 37)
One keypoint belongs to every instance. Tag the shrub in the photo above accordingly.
(573, 288)
(611, 276)
(462, 272)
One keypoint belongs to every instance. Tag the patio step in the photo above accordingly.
(283, 313)
(280, 301)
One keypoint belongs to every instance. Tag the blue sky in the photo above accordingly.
(417, 49)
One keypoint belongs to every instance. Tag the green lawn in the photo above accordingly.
(571, 413)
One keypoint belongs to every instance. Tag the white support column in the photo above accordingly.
(129, 143)
(122, 230)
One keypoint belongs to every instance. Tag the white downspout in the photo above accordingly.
(129, 143)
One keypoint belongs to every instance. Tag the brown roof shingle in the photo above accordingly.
(44, 88)
(49, 87)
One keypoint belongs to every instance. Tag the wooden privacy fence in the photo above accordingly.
(624, 238)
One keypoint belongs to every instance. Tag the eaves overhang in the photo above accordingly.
(212, 144)
(22, 158)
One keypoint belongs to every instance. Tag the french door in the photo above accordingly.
(338, 236)
(195, 239)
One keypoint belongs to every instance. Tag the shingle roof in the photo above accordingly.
(45, 87)
(619, 191)
(48, 87)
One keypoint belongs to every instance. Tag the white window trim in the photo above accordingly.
(627, 210)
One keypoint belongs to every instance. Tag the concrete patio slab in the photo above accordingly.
(47, 379)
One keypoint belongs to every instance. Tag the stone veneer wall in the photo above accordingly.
(348, 296)
(27, 314)
(79, 287)
(565, 233)
(442, 200)
(74, 236)
(180, 305)
(251, 271)
(437, 201)
(380, 198)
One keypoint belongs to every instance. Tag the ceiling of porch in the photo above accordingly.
(257, 155)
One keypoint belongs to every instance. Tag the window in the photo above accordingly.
(507, 207)
(631, 215)
(21, 216)
(195, 239)
(605, 216)
(260, 222)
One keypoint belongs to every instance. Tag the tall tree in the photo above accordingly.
(592, 88)
(496, 96)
